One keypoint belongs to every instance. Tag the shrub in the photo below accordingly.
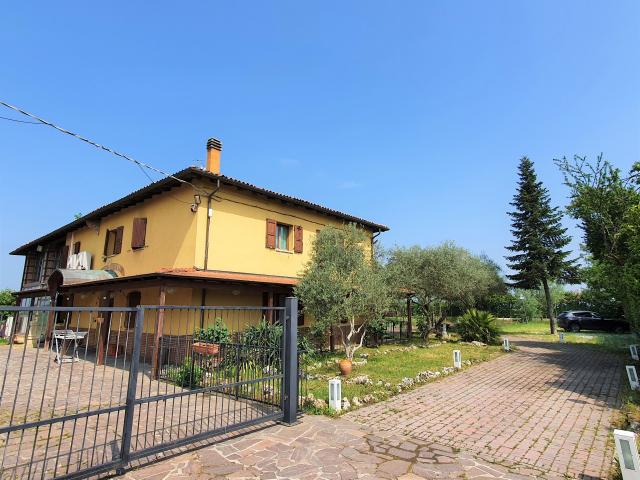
(424, 327)
(218, 333)
(377, 329)
(186, 375)
(476, 325)
(264, 335)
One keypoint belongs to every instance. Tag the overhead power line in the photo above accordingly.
(140, 164)
(19, 121)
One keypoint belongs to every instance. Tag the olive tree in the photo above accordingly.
(344, 285)
(442, 277)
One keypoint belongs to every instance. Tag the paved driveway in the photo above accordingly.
(547, 406)
(541, 412)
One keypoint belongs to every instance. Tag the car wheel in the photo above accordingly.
(574, 327)
(619, 330)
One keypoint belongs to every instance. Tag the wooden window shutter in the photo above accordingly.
(106, 243)
(76, 247)
(271, 233)
(117, 247)
(297, 239)
(139, 233)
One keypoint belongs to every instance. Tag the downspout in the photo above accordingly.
(206, 250)
(209, 214)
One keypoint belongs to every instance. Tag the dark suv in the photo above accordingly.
(576, 320)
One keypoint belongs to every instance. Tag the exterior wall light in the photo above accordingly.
(505, 345)
(633, 377)
(335, 394)
(627, 450)
(457, 359)
(561, 337)
(634, 352)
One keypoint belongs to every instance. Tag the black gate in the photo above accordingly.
(110, 385)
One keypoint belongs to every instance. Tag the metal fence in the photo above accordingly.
(109, 385)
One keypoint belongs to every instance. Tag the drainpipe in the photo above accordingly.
(209, 213)
(206, 249)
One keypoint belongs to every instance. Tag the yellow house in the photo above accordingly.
(195, 238)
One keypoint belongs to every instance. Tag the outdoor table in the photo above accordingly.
(71, 336)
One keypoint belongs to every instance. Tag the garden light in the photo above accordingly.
(634, 352)
(561, 335)
(335, 394)
(505, 345)
(457, 359)
(627, 450)
(633, 377)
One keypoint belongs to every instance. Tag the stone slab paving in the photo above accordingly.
(542, 412)
(324, 448)
(547, 406)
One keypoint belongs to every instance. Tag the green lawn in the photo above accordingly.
(390, 364)
(540, 331)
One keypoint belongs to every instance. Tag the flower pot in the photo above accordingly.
(205, 348)
(345, 366)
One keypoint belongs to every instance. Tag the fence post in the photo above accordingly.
(290, 373)
(131, 390)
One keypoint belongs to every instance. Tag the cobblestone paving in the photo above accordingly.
(546, 406)
(324, 448)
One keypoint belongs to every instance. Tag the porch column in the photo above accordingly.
(409, 312)
(270, 305)
(103, 322)
(51, 320)
(157, 339)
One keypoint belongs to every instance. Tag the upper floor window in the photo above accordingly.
(113, 241)
(282, 237)
(279, 236)
(76, 248)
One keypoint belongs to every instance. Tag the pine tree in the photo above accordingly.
(539, 239)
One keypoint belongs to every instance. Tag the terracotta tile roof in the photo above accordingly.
(167, 184)
(229, 276)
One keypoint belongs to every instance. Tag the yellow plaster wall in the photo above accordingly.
(170, 238)
(176, 322)
(238, 231)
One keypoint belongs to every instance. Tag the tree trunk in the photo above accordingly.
(547, 296)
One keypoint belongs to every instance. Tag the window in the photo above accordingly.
(282, 237)
(139, 233)
(279, 236)
(113, 241)
(133, 301)
(76, 248)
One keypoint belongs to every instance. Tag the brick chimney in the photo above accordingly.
(214, 147)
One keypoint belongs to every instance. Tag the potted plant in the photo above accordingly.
(207, 340)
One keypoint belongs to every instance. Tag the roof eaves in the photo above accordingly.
(169, 182)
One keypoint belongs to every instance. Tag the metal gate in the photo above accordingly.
(115, 384)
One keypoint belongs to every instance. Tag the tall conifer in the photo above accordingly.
(539, 239)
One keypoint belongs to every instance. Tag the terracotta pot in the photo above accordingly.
(205, 348)
(345, 366)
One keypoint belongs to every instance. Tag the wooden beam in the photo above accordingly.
(157, 340)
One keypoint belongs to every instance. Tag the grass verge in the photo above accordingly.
(377, 372)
